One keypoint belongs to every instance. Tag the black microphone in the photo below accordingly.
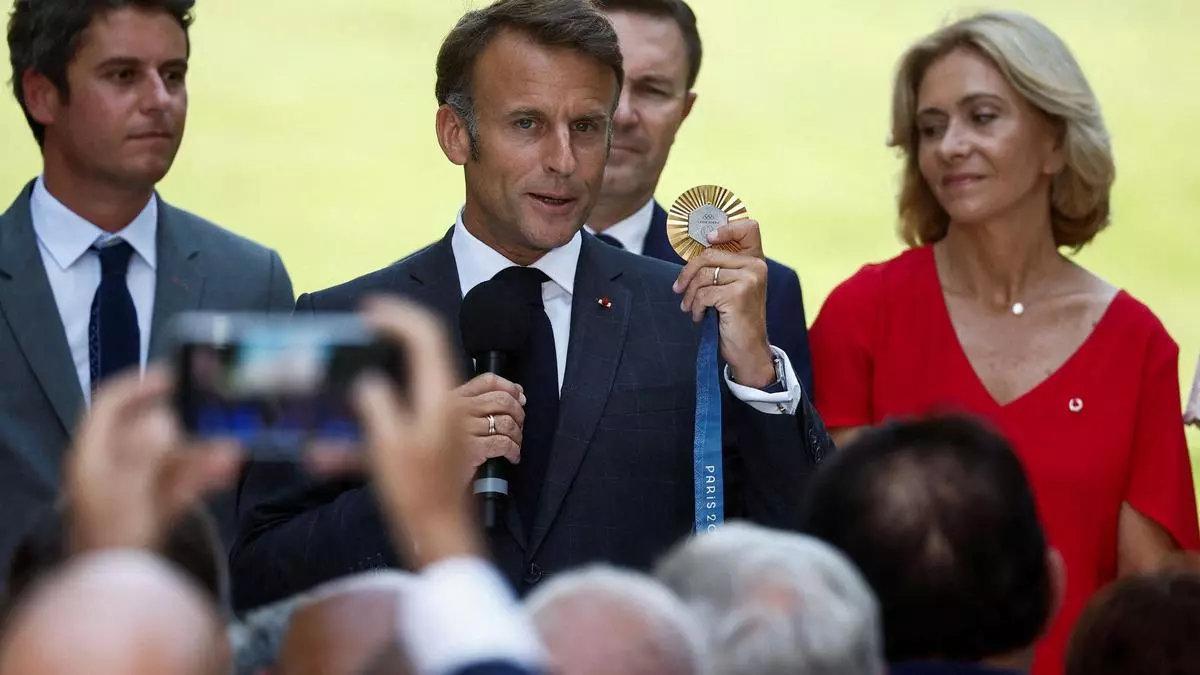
(495, 320)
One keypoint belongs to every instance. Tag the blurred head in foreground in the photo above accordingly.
(1148, 624)
(121, 612)
(345, 627)
(604, 620)
(775, 602)
(939, 517)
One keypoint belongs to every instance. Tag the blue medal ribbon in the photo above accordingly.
(708, 464)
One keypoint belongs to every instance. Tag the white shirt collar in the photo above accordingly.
(477, 262)
(632, 231)
(67, 236)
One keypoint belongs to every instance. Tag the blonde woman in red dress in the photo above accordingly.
(1008, 164)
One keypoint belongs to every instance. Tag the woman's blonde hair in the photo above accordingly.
(1040, 67)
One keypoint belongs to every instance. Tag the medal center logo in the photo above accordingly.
(704, 220)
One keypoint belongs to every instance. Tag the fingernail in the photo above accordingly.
(682, 308)
(675, 286)
(522, 399)
(711, 236)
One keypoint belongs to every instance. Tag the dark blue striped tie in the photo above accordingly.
(536, 369)
(114, 339)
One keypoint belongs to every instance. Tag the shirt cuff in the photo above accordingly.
(460, 612)
(782, 403)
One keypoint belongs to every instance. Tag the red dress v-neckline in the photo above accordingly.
(965, 360)
(1102, 430)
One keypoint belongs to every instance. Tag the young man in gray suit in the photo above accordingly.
(93, 263)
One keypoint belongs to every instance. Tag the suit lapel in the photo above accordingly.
(28, 306)
(179, 281)
(433, 281)
(597, 338)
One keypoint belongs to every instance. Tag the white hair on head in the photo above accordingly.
(120, 611)
(381, 579)
(257, 638)
(777, 602)
(676, 635)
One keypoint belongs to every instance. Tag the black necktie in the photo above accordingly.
(113, 335)
(609, 239)
(536, 369)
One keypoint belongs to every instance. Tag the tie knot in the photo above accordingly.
(528, 279)
(114, 257)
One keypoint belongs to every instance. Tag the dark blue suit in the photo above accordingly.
(786, 325)
(618, 486)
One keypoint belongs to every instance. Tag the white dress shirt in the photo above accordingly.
(460, 612)
(65, 242)
(632, 231)
(477, 262)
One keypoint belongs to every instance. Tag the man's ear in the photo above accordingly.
(688, 101)
(453, 136)
(42, 98)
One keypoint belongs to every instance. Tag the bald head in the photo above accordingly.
(346, 627)
(631, 623)
(125, 612)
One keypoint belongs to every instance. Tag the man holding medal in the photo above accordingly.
(612, 443)
(662, 53)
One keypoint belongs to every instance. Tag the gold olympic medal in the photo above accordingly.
(699, 211)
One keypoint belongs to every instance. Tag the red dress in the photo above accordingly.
(1103, 429)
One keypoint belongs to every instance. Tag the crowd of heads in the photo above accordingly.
(921, 542)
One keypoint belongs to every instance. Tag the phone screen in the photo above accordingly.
(276, 384)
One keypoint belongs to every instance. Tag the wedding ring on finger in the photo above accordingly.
(716, 276)
(491, 425)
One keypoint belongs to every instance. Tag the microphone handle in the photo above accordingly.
(491, 480)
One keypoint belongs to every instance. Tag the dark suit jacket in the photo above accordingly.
(200, 266)
(786, 325)
(619, 484)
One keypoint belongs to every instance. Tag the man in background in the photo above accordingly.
(93, 263)
(662, 51)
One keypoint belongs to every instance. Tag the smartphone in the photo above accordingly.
(275, 383)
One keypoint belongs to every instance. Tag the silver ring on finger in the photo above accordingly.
(491, 425)
(716, 276)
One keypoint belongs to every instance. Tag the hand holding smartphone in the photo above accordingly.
(275, 384)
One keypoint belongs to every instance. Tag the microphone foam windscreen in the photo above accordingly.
(495, 316)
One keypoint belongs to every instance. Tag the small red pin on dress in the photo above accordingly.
(604, 302)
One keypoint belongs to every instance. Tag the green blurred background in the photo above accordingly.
(311, 130)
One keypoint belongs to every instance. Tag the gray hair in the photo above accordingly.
(573, 24)
(777, 602)
(673, 641)
(257, 638)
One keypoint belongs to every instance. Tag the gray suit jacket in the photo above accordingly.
(200, 266)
